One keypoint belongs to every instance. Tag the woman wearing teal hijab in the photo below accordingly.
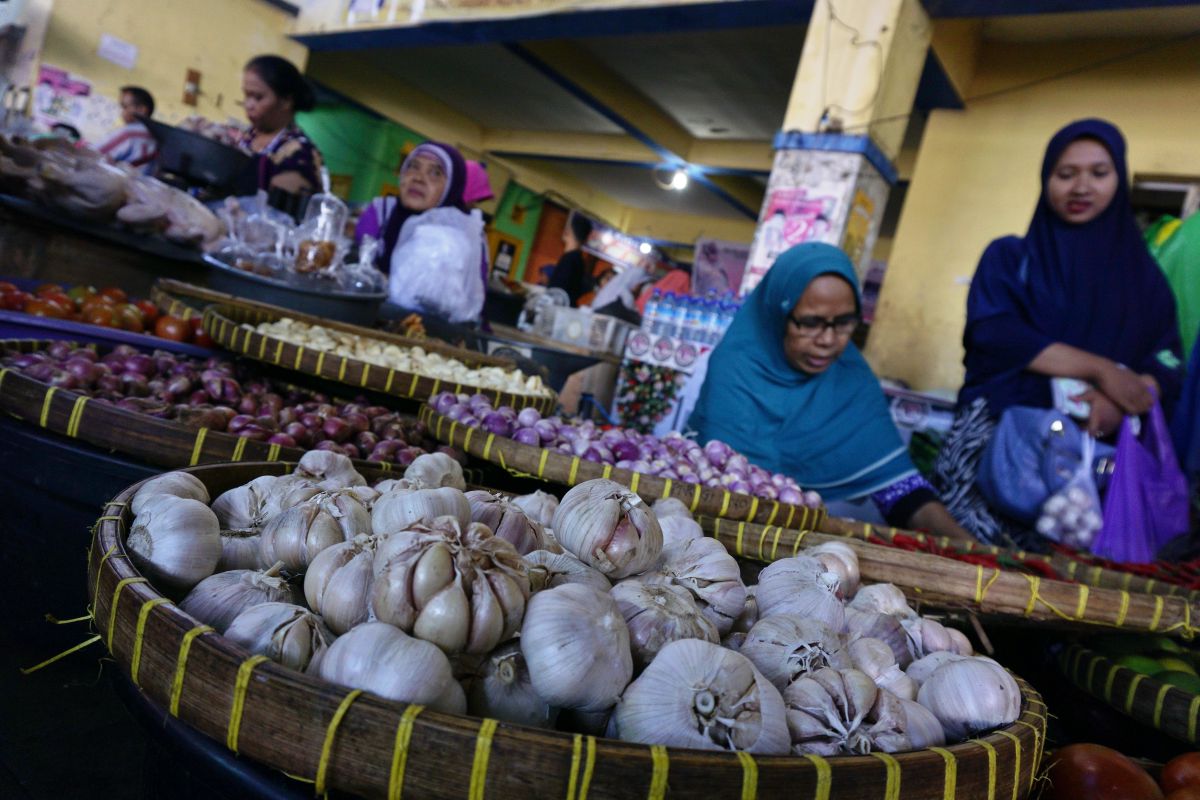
(788, 389)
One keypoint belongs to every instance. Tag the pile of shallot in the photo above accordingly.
(595, 614)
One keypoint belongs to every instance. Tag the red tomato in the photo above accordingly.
(1189, 792)
(43, 288)
(12, 301)
(8, 288)
(201, 338)
(130, 319)
(1181, 771)
(172, 328)
(1091, 772)
(100, 315)
(44, 308)
(60, 299)
(148, 309)
(97, 300)
(116, 293)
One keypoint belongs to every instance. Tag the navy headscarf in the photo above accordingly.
(1093, 286)
(831, 432)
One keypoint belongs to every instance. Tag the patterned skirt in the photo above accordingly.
(954, 478)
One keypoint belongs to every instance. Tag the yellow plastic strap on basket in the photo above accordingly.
(1081, 606)
(240, 687)
(799, 540)
(1192, 711)
(46, 405)
(824, 776)
(404, 733)
(950, 781)
(991, 757)
(279, 351)
(633, 482)
(542, 465)
(196, 448)
(321, 362)
(299, 358)
(775, 542)
(658, 777)
(891, 790)
(737, 545)
(185, 647)
(412, 387)
(1108, 681)
(666, 487)
(725, 498)
(1037, 751)
(483, 751)
(273, 453)
(762, 540)
(76, 416)
(1016, 780)
(753, 509)
(466, 445)
(981, 588)
(1158, 703)
(1124, 609)
(342, 372)
(387, 386)
(239, 449)
(583, 753)
(1129, 695)
(574, 471)
(330, 733)
(3, 373)
(262, 348)
(695, 498)
(135, 663)
(1091, 670)
(99, 574)
(749, 775)
(437, 382)
(112, 609)
(606, 471)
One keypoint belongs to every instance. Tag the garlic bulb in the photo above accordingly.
(745, 620)
(461, 590)
(734, 641)
(785, 646)
(922, 726)
(608, 527)
(826, 710)
(704, 568)
(875, 658)
(552, 545)
(882, 598)
(176, 484)
(219, 598)
(959, 642)
(289, 634)
(884, 627)
(547, 570)
(885, 727)
(365, 494)
(435, 470)
(240, 550)
(347, 508)
(328, 470)
(247, 507)
(970, 696)
(840, 559)
(338, 582)
(658, 615)
(927, 636)
(502, 690)
(394, 485)
(539, 507)
(699, 695)
(800, 585)
(396, 511)
(175, 541)
(666, 507)
(298, 534)
(922, 668)
(506, 520)
(384, 660)
(676, 530)
(576, 644)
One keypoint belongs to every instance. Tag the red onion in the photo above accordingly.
(240, 422)
(58, 350)
(141, 364)
(336, 429)
(84, 371)
(247, 405)
(296, 430)
(407, 455)
(179, 385)
(357, 421)
(328, 444)
(282, 439)
(311, 420)
(83, 352)
(497, 424)
(253, 432)
(527, 436)
(366, 440)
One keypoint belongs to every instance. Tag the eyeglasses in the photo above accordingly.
(809, 327)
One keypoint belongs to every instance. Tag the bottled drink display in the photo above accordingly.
(693, 318)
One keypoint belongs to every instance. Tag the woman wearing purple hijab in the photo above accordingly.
(1078, 297)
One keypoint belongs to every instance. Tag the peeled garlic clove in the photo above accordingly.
(339, 581)
(330, 471)
(382, 659)
(800, 585)
(502, 689)
(219, 598)
(445, 619)
(538, 506)
(240, 550)
(286, 633)
(699, 695)
(398, 511)
(175, 541)
(176, 484)
(608, 527)
(705, 569)
(576, 644)
(547, 570)
(970, 696)
(882, 598)
(296, 536)
(435, 470)
(784, 647)
(658, 615)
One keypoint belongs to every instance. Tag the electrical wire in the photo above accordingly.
(856, 40)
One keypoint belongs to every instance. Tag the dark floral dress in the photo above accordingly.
(290, 151)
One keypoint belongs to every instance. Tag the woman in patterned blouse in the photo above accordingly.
(274, 91)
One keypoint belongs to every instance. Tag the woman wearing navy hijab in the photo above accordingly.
(1079, 297)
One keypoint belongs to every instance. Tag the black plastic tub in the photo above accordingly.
(316, 296)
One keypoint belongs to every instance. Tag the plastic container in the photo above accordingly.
(312, 295)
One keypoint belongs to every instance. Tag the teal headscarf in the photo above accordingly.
(831, 432)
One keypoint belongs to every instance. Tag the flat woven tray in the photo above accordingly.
(356, 742)
(995, 591)
(1166, 708)
(227, 325)
(525, 460)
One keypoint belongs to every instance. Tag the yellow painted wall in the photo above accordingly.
(976, 178)
(216, 37)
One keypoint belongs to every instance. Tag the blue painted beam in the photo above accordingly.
(571, 24)
(1002, 8)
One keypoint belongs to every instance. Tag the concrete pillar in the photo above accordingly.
(845, 122)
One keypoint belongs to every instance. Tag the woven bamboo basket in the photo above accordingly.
(186, 300)
(1164, 707)
(527, 461)
(355, 742)
(950, 584)
(161, 442)
(230, 326)
(1069, 568)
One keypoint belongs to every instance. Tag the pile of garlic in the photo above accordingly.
(413, 360)
(576, 614)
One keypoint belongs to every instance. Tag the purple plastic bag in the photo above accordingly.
(1147, 501)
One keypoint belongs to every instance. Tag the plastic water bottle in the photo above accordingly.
(728, 312)
(667, 315)
(712, 322)
(694, 320)
(650, 320)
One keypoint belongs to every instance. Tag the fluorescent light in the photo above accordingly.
(645, 248)
(679, 180)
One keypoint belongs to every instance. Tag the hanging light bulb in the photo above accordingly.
(645, 248)
(679, 180)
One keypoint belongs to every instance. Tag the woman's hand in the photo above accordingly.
(1125, 388)
(935, 518)
(291, 182)
(1104, 417)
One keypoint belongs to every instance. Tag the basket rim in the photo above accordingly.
(698, 499)
(343, 369)
(109, 566)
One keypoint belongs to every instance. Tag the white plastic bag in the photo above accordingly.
(1073, 515)
(436, 264)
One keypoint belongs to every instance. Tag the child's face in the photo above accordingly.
(130, 108)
